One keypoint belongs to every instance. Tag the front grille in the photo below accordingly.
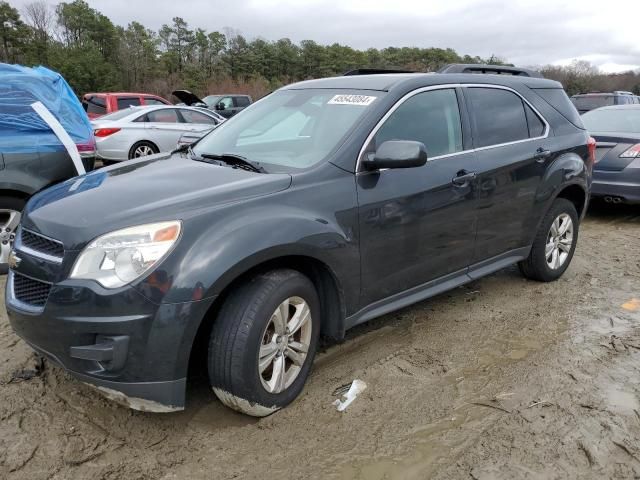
(29, 291)
(41, 244)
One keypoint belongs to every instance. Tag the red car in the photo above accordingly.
(98, 104)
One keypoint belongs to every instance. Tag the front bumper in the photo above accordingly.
(134, 351)
(623, 184)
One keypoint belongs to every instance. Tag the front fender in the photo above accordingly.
(225, 249)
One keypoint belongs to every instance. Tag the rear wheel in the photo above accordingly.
(10, 214)
(142, 149)
(263, 342)
(554, 244)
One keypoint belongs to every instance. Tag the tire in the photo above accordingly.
(246, 328)
(139, 147)
(540, 266)
(10, 213)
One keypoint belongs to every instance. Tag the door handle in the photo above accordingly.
(462, 178)
(541, 155)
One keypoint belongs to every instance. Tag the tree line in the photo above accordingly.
(94, 54)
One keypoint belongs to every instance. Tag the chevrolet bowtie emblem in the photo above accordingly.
(14, 260)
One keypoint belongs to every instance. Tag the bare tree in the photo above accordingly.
(40, 16)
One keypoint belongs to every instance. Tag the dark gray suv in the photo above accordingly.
(326, 204)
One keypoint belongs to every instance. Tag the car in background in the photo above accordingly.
(225, 105)
(585, 102)
(99, 104)
(31, 155)
(141, 131)
(616, 174)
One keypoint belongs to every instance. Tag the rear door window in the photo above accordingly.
(165, 115)
(126, 102)
(431, 117)
(95, 104)
(242, 101)
(498, 116)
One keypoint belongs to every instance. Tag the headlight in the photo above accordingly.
(120, 257)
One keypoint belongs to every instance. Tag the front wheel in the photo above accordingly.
(554, 244)
(264, 341)
(10, 214)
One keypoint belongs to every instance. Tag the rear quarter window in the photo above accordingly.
(558, 99)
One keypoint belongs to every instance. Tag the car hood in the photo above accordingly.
(157, 188)
(186, 97)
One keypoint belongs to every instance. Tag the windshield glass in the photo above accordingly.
(211, 100)
(622, 120)
(590, 102)
(294, 129)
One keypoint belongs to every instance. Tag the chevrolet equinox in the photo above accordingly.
(323, 205)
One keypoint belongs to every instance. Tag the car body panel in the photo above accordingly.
(400, 248)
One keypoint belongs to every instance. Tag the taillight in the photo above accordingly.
(87, 149)
(591, 144)
(632, 152)
(105, 132)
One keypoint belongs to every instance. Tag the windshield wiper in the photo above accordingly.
(236, 161)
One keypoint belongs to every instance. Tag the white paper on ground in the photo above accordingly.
(357, 387)
(62, 135)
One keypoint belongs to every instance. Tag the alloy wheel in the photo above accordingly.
(142, 151)
(9, 221)
(285, 343)
(559, 241)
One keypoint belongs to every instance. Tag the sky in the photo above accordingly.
(524, 32)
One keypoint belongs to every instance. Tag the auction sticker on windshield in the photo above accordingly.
(363, 100)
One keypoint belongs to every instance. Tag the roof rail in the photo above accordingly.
(491, 69)
(374, 71)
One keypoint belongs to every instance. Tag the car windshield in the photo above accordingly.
(590, 102)
(290, 129)
(211, 100)
(622, 120)
(120, 114)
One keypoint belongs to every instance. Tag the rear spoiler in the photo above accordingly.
(490, 69)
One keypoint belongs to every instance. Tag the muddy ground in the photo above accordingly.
(502, 378)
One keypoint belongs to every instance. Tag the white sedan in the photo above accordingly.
(140, 131)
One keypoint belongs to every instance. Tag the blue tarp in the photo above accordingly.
(21, 128)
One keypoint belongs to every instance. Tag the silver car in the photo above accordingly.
(140, 131)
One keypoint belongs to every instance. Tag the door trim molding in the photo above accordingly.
(437, 286)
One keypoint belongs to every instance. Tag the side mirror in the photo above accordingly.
(397, 154)
(220, 106)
